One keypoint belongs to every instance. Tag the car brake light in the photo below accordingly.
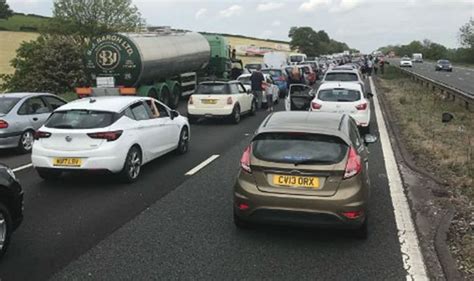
(191, 100)
(352, 214)
(229, 100)
(3, 124)
(245, 160)
(353, 165)
(316, 105)
(362, 106)
(243, 206)
(41, 135)
(109, 136)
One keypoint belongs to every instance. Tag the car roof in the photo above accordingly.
(110, 103)
(305, 122)
(24, 95)
(342, 71)
(345, 85)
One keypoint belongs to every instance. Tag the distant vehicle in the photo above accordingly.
(444, 65)
(305, 168)
(406, 62)
(299, 97)
(21, 114)
(271, 86)
(296, 58)
(314, 65)
(115, 134)
(354, 75)
(344, 98)
(275, 59)
(309, 75)
(11, 206)
(280, 77)
(164, 65)
(219, 99)
(251, 67)
(417, 57)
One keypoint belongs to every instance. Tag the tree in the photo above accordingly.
(466, 36)
(5, 11)
(85, 19)
(305, 40)
(49, 64)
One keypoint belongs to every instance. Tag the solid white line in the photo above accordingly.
(22, 167)
(411, 254)
(202, 165)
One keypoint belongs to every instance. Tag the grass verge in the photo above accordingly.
(446, 150)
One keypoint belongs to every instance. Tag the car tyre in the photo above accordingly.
(6, 228)
(235, 116)
(240, 223)
(132, 166)
(192, 119)
(25, 144)
(363, 231)
(49, 175)
(183, 144)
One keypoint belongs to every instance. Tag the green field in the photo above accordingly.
(19, 22)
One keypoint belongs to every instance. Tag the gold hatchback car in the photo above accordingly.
(305, 168)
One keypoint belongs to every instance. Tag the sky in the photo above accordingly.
(362, 24)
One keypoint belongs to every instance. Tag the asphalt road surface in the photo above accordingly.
(172, 226)
(461, 78)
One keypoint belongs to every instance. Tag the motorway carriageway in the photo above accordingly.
(176, 223)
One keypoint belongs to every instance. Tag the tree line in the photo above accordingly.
(436, 51)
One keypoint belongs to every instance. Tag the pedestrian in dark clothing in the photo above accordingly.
(256, 80)
(382, 66)
(295, 77)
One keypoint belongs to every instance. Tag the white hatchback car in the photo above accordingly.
(341, 75)
(115, 134)
(220, 100)
(406, 62)
(272, 88)
(347, 98)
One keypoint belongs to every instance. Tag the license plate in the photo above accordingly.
(296, 181)
(67, 162)
(209, 101)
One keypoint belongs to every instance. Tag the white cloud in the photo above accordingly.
(200, 13)
(276, 23)
(345, 5)
(311, 5)
(269, 6)
(331, 5)
(234, 10)
(266, 34)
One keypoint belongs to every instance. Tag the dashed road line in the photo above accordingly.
(411, 254)
(22, 167)
(202, 165)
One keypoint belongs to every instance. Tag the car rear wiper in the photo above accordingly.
(311, 161)
(63, 126)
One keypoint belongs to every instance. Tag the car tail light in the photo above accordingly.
(353, 165)
(191, 100)
(245, 160)
(362, 106)
(316, 105)
(352, 214)
(243, 206)
(41, 135)
(229, 100)
(3, 124)
(109, 136)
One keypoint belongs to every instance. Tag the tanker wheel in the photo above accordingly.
(153, 94)
(165, 96)
(174, 99)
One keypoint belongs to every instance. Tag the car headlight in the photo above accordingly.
(11, 173)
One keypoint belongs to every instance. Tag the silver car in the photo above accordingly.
(21, 114)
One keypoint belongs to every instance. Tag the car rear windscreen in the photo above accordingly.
(81, 119)
(299, 148)
(341, 76)
(212, 89)
(340, 95)
(6, 104)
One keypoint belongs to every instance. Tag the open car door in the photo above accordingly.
(299, 98)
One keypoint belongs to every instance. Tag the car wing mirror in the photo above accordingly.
(369, 139)
(174, 114)
(370, 95)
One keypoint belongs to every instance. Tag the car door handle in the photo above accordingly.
(35, 119)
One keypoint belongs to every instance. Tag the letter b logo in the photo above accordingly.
(108, 57)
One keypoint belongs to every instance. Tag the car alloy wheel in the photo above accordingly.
(183, 145)
(3, 231)
(26, 141)
(134, 164)
(236, 115)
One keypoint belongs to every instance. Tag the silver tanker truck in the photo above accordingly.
(164, 65)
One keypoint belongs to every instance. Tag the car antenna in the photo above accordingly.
(92, 100)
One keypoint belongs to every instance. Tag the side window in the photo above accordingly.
(33, 106)
(54, 102)
(140, 111)
(234, 89)
(242, 88)
(354, 135)
(162, 110)
(128, 112)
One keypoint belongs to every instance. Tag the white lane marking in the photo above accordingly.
(460, 78)
(411, 254)
(22, 167)
(202, 165)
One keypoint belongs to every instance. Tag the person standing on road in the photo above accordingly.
(382, 65)
(376, 65)
(257, 80)
(370, 66)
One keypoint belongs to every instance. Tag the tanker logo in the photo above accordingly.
(108, 57)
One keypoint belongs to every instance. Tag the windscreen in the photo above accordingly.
(296, 58)
(341, 76)
(6, 104)
(302, 148)
(81, 119)
(213, 89)
(443, 62)
(340, 95)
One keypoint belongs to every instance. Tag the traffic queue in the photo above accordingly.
(304, 165)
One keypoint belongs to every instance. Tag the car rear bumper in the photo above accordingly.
(111, 159)
(318, 211)
(210, 112)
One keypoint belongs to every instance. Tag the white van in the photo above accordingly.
(417, 57)
(296, 58)
(275, 59)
